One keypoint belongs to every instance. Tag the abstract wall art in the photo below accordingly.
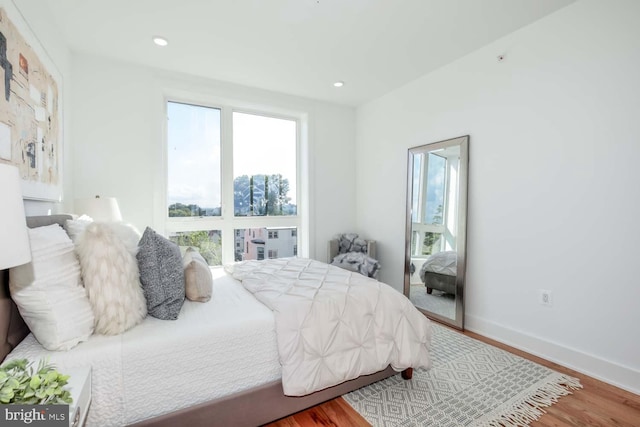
(30, 109)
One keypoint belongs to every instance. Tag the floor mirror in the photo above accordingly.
(435, 246)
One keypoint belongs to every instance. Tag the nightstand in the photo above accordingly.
(79, 385)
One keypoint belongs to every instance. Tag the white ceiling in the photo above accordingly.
(298, 47)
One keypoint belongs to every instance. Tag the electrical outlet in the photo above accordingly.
(546, 297)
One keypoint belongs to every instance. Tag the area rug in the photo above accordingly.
(470, 384)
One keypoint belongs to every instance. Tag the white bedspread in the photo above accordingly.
(442, 262)
(334, 325)
(214, 349)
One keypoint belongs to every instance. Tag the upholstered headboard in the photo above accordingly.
(12, 328)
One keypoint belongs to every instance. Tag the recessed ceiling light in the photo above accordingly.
(160, 41)
(338, 84)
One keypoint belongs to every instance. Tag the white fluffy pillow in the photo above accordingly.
(49, 293)
(107, 254)
(75, 227)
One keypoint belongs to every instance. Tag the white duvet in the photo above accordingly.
(334, 325)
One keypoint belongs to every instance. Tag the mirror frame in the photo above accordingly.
(461, 242)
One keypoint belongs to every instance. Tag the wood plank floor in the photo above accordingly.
(596, 404)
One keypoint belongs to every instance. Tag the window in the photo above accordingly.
(193, 140)
(263, 240)
(436, 177)
(433, 208)
(264, 165)
(434, 201)
(231, 190)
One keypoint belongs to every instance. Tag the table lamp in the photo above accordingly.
(101, 209)
(14, 238)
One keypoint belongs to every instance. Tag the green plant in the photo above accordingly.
(21, 383)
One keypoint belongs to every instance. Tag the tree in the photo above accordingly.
(181, 210)
(259, 195)
(430, 239)
(207, 242)
(437, 216)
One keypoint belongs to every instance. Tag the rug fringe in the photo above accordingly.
(526, 407)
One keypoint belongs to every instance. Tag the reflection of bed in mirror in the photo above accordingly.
(436, 229)
(439, 272)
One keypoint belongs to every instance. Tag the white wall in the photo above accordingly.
(117, 129)
(553, 202)
(38, 20)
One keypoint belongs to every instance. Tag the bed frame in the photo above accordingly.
(440, 282)
(252, 407)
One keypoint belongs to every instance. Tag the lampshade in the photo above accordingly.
(101, 209)
(14, 239)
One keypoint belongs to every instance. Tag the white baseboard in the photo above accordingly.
(612, 373)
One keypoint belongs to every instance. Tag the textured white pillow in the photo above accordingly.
(107, 253)
(75, 227)
(49, 293)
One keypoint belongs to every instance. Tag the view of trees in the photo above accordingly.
(431, 242)
(260, 195)
(437, 216)
(208, 243)
(178, 209)
(255, 195)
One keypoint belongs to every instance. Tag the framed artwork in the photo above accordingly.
(30, 108)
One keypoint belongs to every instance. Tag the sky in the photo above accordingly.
(433, 186)
(261, 145)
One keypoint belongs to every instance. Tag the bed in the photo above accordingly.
(439, 272)
(243, 373)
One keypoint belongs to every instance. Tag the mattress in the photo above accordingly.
(214, 349)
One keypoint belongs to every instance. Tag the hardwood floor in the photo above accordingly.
(596, 404)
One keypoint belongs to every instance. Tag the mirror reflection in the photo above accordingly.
(436, 224)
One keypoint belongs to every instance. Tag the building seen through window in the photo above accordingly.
(253, 243)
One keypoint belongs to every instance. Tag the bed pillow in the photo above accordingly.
(161, 274)
(75, 227)
(107, 253)
(198, 281)
(49, 293)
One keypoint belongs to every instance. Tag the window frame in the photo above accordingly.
(227, 222)
(449, 212)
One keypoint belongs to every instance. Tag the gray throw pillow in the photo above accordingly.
(161, 275)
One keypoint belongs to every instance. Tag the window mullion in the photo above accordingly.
(227, 186)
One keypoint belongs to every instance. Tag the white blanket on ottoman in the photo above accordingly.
(333, 325)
